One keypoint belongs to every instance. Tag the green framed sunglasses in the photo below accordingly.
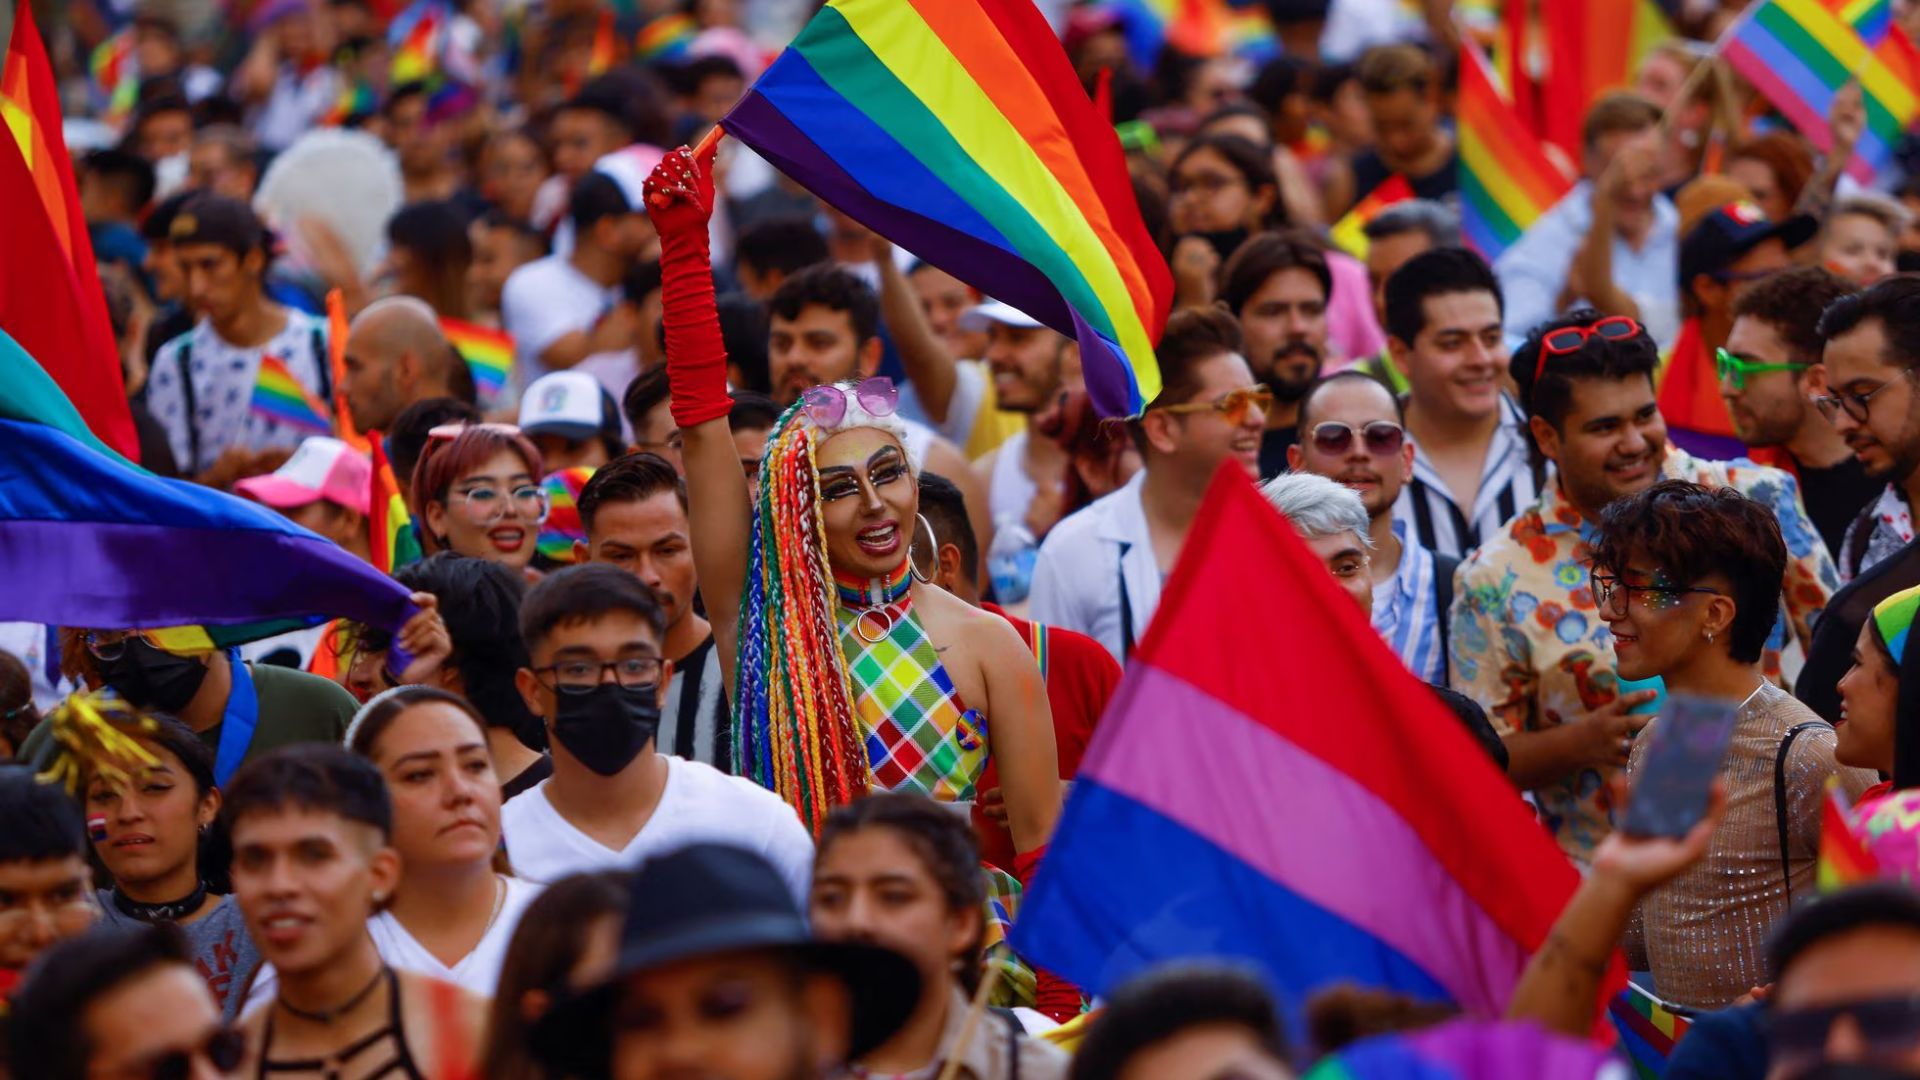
(1734, 370)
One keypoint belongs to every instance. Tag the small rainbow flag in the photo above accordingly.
(392, 540)
(1506, 179)
(665, 38)
(280, 397)
(1799, 52)
(1648, 1029)
(488, 353)
(563, 525)
(600, 59)
(415, 38)
(1197, 28)
(111, 66)
(356, 102)
(1349, 233)
(1844, 859)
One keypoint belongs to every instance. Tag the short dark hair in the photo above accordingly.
(640, 281)
(378, 716)
(1438, 272)
(1473, 717)
(1895, 301)
(1615, 112)
(480, 600)
(1691, 531)
(628, 478)
(496, 218)
(1387, 69)
(43, 821)
(752, 411)
(834, 289)
(602, 96)
(46, 1031)
(584, 593)
(408, 439)
(595, 196)
(18, 714)
(743, 333)
(1874, 904)
(946, 512)
(1600, 358)
(780, 244)
(1154, 1007)
(1792, 302)
(1193, 335)
(434, 228)
(1254, 164)
(1350, 375)
(128, 172)
(1264, 255)
(314, 776)
(644, 394)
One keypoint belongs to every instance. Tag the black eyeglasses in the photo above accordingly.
(223, 1050)
(580, 676)
(1890, 1026)
(1654, 598)
(1383, 438)
(1855, 405)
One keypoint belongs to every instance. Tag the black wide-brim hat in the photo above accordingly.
(708, 900)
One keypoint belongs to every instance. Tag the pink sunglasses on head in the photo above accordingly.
(826, 406)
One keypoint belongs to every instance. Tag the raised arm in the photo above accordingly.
(719, 507)
(1020, 726)
(930, 368)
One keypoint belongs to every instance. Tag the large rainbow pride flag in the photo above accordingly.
(960, 132)
(1223, 810)
(1506, 179)
(91, 539)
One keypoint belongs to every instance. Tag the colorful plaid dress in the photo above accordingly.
(919, 735)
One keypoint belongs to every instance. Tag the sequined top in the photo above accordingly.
(1703, 935)
(1529, 646)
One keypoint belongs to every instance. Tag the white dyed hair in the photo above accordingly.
(1318, 507)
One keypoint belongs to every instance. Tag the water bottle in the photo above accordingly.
(1010, 559)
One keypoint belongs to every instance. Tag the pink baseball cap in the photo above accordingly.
(321, 468)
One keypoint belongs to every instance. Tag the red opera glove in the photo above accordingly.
(679, 198)
(1053, 997)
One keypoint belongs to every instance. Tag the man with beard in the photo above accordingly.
(1867, 390)
(1765, 371)
(1526, 637)
(1033, 367)
(1277, 286)
(1356, 435)
(1471, 469)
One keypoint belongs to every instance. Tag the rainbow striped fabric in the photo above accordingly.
(393, 542)
(280, 397)
(665, 38)
(1871, 19)
(1349, 233)
(488, 353)
(1506, 179)
(415, 37)
(112, 70)
(1196, 28)
(563, 526)
(961, 133)
(1648, 1029)
(1844, 859)
(1799, 52)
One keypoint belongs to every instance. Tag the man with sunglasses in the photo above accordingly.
(1526, 637)
(1846, 992)
(1355, 436)
(1865, 387)
(594, 634)
(1765, 375)
(123, 1003)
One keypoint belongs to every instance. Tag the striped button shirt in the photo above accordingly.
(1406, 612)
(1508, 484)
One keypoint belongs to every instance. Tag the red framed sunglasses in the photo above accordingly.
(1571, 339)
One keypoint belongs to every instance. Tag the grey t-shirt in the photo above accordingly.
(222, 950)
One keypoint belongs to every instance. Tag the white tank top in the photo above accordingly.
(1010, 490)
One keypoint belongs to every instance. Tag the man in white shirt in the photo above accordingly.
(564, 308)
(1099, 572)
(594, 634)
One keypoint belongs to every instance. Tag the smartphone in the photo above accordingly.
(1685, 746)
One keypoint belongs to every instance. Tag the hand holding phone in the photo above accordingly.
(1675, 778)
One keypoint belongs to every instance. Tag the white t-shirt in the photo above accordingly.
(701, 804)
(544, 301)
(477, 972)
(224, 379)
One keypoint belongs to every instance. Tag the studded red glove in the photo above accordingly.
(679, 198)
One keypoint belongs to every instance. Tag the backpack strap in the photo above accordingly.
(323, 362)
(1443, 568)
(185, 359)
(1780, 794)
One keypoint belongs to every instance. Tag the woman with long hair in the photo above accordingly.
(1876, 692)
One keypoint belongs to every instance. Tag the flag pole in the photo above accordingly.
(708, 143)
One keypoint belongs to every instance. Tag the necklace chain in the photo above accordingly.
(328, 1016)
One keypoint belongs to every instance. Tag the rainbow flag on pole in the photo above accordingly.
(1799, 52)
(1506, 179)
(488, 353)
(1349, 234)
(665, 38)
(280, 397)
(961, 133)
(415, 37)
(392, 542)
(1217, 813)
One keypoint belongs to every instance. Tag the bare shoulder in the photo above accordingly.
(952, 621)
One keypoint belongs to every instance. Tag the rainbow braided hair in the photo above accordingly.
(794, 730)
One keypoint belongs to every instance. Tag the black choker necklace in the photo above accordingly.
(168, 911)
(328, 1016)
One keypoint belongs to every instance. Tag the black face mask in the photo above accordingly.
(606, 727)
(154, 678)
(1225, 241)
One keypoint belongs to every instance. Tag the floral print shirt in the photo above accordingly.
(1528, 643)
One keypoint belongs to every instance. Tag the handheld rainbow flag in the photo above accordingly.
(1649, 1029)
(961, 133)
(278, 396)
(1468, 1050)
(1506, 179)
(1349, 233)
(1592, 46)
(392, 541)
(562, 526)
(415, 37)
(112, 70)
(1799, 52)
(601, 57)
(665, 38)
(1218, 814)
(489, 356)
(1844, 860)
(90, 539)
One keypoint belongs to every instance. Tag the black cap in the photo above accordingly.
(215, 219)
(1725, 233)
(705, 900)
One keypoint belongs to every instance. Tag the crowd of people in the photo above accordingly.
(773, 581)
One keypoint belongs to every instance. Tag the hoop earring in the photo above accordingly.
(914, 564)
